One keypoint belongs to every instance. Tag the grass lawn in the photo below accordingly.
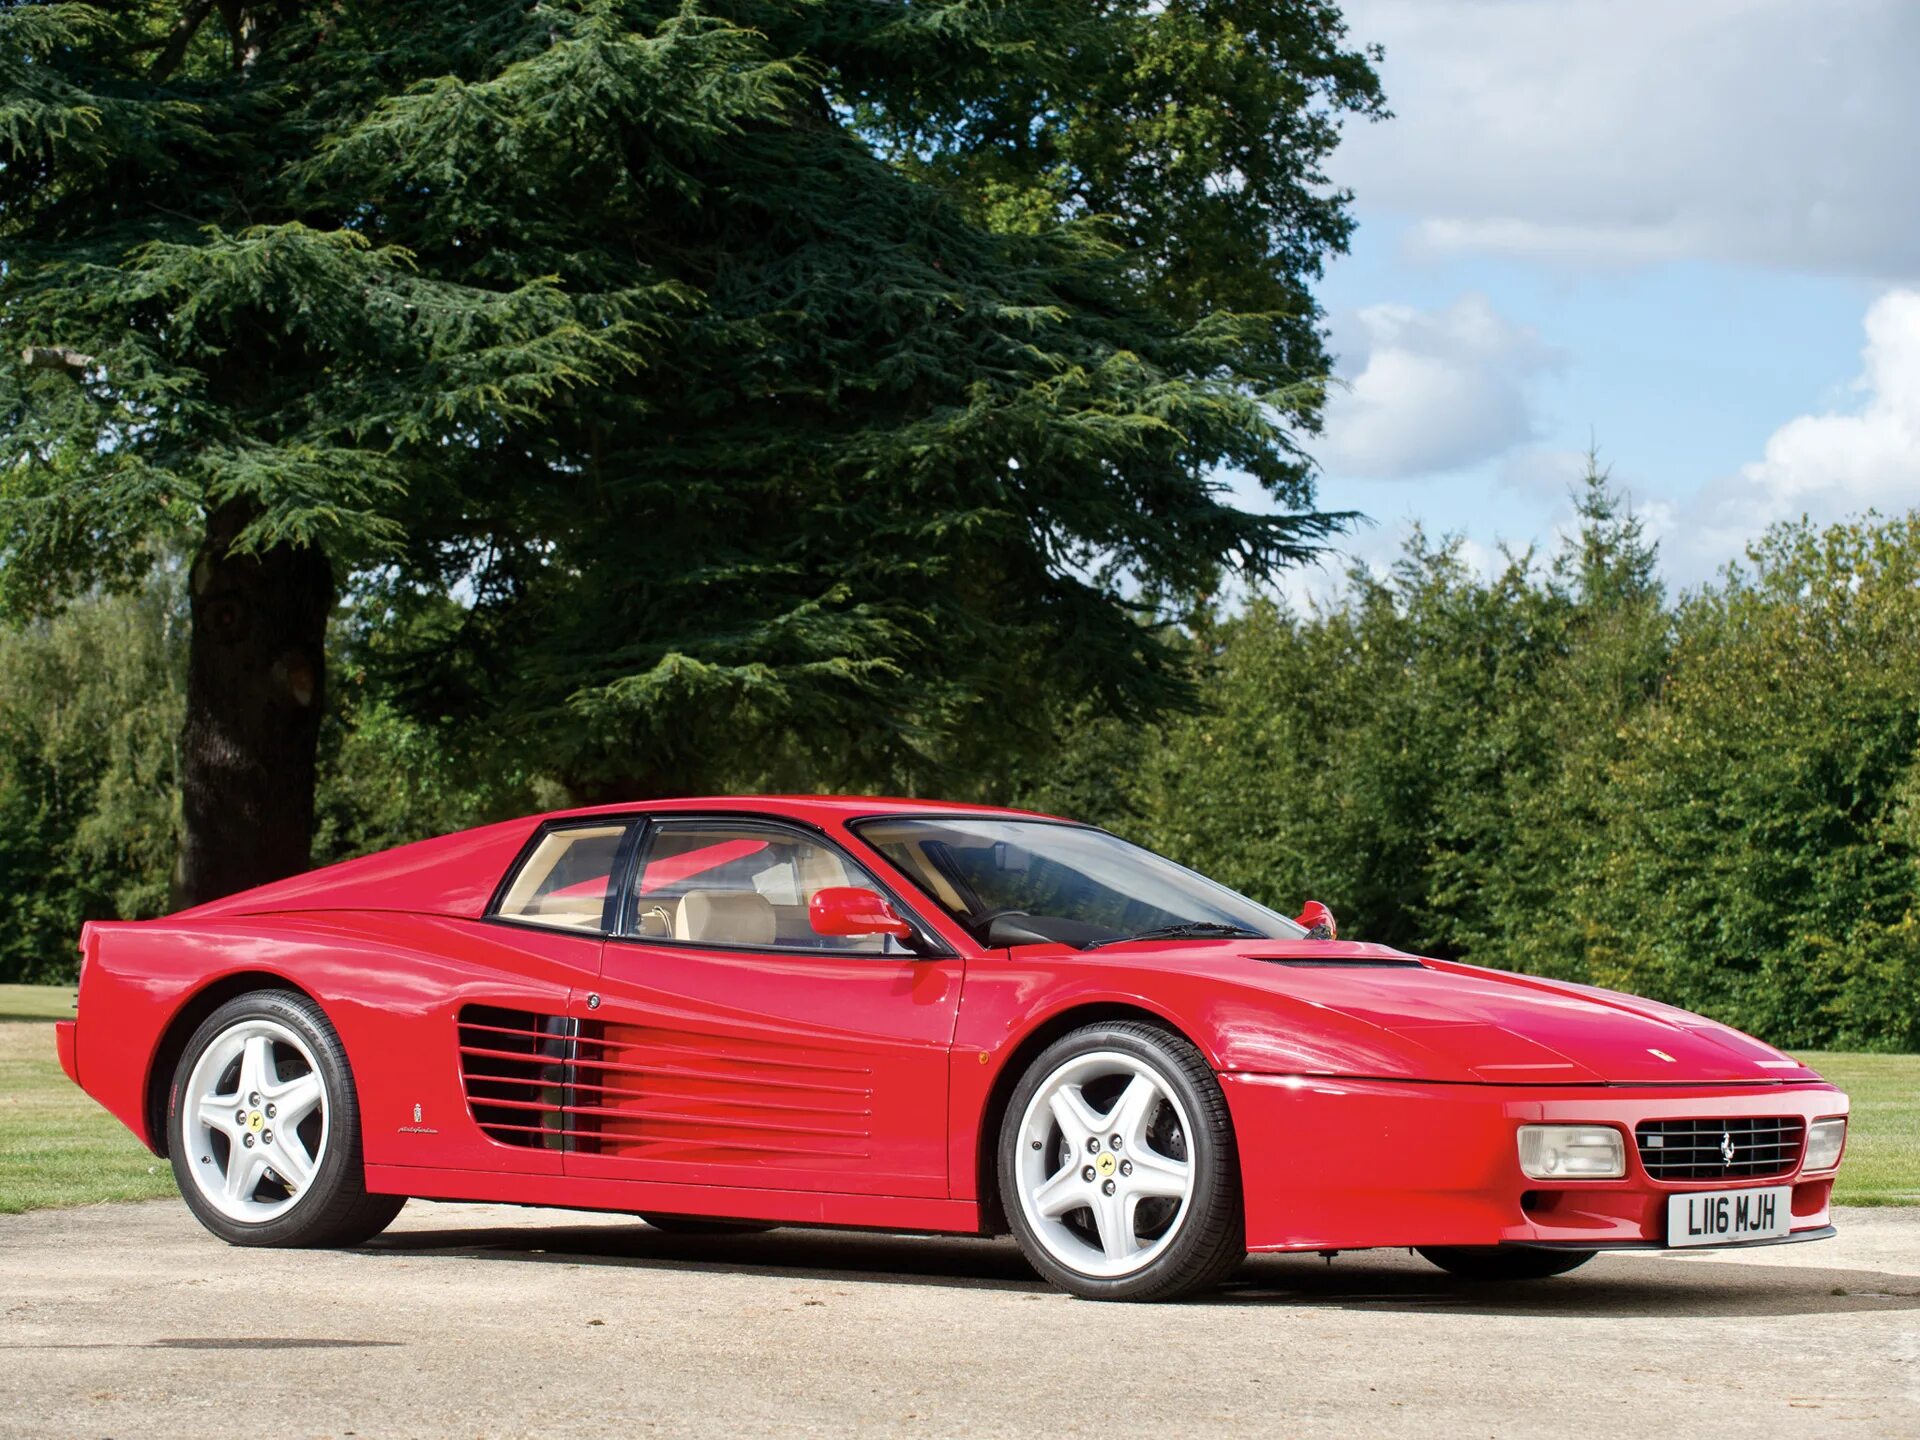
(59, 1148)
(56, 1146)
(1882, 1165)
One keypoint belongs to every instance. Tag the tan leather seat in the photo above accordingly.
(724, 917)
(580, 911)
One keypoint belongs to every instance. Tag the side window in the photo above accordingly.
(564, 882)
(709, 882)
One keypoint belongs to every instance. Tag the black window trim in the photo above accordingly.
(935, 945)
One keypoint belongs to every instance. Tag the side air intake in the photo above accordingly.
(627, 1091)
(515, 1068)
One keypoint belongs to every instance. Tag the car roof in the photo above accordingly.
(839, 807)
(457, 874)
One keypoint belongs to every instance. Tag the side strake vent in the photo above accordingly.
(638, 1093)
(516, 1068)
(680, 1095)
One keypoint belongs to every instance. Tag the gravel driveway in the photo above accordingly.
(129, 1320)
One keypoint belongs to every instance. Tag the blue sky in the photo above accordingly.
(1689, 230)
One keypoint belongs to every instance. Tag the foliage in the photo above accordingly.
(89, 716)
(1552, 770)
(1763, 837)
(668, 375)
(818, 393)
(1193, 132)
(90, 710)
(387, 777)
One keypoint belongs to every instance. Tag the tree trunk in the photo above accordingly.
(256, 678)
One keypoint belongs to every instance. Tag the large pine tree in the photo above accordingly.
(702, 390)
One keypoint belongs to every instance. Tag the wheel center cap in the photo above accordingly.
(256, 1120)
(1106, 1164)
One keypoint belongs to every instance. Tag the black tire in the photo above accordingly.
(335, 1208)
(1504, 1262)
(1210, 1243)
(701, 1225)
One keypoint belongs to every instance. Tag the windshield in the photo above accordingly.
(1061, 882)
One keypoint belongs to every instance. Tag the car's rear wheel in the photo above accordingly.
(264, 1128)
(1118, 1171)
(701, 1225)
(1504, 1262)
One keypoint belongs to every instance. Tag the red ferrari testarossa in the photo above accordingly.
(906, 1015)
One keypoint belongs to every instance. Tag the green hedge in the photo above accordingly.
(1556, 770)
(1713, 800)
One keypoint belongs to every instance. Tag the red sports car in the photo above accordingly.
(895, 1014)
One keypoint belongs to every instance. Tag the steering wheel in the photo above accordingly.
(992, 915)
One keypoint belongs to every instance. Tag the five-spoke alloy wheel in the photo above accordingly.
(1118, 1171)
(257, 1115)
(264, 1128)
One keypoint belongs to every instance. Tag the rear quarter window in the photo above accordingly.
(563, 883)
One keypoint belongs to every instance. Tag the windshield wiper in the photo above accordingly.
(1185, 930)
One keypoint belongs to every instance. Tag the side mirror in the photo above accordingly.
(851, 910)
(1317, 921)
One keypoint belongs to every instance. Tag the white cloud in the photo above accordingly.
(1767, 131)
(1429, 390)
(1832, 465)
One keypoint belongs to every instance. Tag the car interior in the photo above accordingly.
(699, 882)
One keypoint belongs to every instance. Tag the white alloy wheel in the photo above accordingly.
(1105, 1163)
(256, 1121)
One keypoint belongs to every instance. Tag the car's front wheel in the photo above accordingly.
(1504, 1262)
(264, 1128)
(1118, 1171)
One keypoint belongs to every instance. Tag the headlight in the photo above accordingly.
(1571, 1152)
(1825, 1140)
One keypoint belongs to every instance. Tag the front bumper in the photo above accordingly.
(1335, 1164)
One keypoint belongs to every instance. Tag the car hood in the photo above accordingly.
(1449, 1021)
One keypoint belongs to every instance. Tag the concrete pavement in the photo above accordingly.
(129, 1320)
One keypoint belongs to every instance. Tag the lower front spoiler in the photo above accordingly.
(1825, 1232)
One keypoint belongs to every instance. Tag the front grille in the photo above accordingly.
(1697, 1149)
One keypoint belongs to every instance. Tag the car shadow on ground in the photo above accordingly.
(1622, 1286)
(850, 1255)
(1629, 1286)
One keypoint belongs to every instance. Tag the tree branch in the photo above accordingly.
(184, 29)
(56, 357)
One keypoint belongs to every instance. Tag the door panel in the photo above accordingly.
(489, 1069)
(422, 1009)
(778, 1070)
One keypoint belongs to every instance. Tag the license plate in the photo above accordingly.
(1729, 1217)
